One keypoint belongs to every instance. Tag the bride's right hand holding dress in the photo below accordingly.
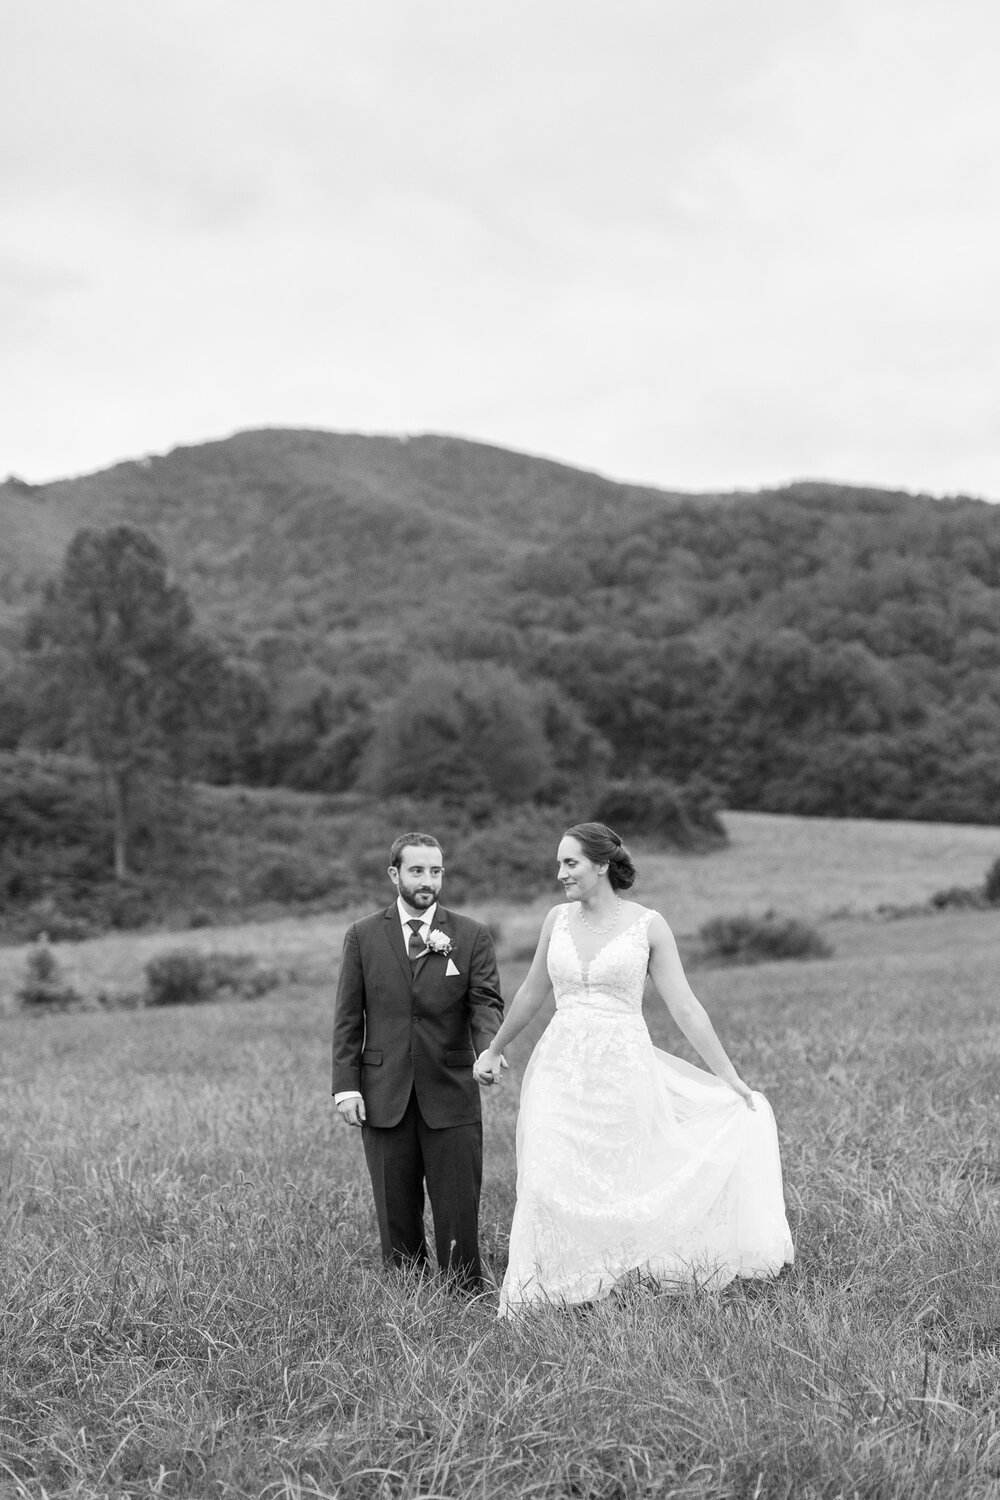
(667, 973)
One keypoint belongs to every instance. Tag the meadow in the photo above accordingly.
(192, 1303)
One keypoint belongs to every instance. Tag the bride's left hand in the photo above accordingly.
(745, 1093)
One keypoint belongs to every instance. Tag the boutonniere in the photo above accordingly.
(439, 942)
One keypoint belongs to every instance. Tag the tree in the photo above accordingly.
(122, 671)
(458, 731)
(13, 701)
(316, 731)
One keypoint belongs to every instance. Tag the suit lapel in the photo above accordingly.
(394, 933)
(442, 922)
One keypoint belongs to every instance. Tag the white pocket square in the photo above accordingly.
(450, 970)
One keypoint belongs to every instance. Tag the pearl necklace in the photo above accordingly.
(612, 923)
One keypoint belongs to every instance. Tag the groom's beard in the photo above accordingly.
(419, 897)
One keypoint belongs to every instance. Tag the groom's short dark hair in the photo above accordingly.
(405, 840)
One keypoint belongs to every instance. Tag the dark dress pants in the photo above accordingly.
(401, 1159)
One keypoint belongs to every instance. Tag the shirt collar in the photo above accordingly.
(405, 918)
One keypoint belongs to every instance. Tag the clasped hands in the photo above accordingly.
(488, 1068)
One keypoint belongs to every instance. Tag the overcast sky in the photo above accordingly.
(698, 243)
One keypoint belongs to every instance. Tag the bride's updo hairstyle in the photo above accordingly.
(599, 843)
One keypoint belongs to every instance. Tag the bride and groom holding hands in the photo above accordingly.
(629, 1160)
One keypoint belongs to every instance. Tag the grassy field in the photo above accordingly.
(192, 1304)
(815, 868)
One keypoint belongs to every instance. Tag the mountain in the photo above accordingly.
(270, 526)
(813, 648)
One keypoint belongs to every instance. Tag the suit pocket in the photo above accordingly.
(371, 1058)
(459, 1059)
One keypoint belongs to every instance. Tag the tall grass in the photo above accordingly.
(192, 1304)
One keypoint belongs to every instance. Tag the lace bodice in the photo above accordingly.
(613, 980)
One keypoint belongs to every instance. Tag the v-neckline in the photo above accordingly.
(586, 966)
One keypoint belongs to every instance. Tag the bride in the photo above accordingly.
(628, 1159)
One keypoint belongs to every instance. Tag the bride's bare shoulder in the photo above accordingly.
(657, 925)
(633, 910)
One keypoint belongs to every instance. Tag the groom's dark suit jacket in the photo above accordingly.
(398, 1028)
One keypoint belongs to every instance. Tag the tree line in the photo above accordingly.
(810, 650)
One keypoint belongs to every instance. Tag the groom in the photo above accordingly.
(418, 1000)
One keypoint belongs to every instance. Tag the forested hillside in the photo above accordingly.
(431, 612)
(812, 649)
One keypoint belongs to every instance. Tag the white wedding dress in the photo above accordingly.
(629, 1159)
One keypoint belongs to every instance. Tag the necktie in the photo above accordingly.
(415, 945)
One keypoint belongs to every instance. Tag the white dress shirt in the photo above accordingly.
(405, 918)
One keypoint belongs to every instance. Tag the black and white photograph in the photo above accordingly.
(499, 750)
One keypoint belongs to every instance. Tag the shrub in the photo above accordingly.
(644, 806)
(513, 858)
(290, 880)
(747, 940)
(120, 999)
(459, 731)
(184, 976)
(44, 985)
(991, 886)
(46, 803)
(45, 918)
(964, 897)
(243, 976)
(178, 978)
(129, 906)
(509, 856)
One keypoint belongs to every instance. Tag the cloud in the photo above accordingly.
(696, 245)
